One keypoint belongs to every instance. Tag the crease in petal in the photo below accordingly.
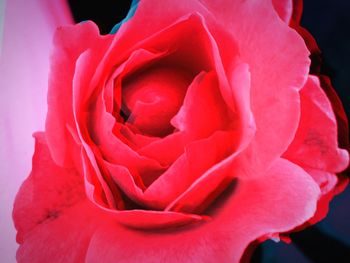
(204, 110)
(282, 207)
(135, 218)
(190, 166)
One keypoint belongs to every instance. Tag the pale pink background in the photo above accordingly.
(26, 29)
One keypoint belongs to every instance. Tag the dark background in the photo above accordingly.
(329, 22)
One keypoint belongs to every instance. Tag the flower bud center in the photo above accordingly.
(152, 97)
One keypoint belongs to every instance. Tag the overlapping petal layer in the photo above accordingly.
(175, 135)
(89, 232)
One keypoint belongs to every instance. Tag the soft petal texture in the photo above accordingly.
(315, 146)
(273, 75)
(342, 120)
(62, 189)
(190, 166)
(69, 43)
(284, 8)
(153, 97)
(263, 81)
(224, 105)
(330, 185)
(316, 142)
(281, 196)
(203, 110)
(286, 196)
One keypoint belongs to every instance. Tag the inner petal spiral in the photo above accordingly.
(150, 99)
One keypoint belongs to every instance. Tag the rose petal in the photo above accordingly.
(136, 218)
(125, 154)
(314, 145)
(342, 120)
(275, 80)
(286, 196)
(274, 96)
(190, 166)
(220, 238)
(69, 43)
(100, 127)
(176, 38)
(330, 185)
(61, 238)
(47, 192)
(184, 171)
(203, 111)
(165, 150)
(153, 96)
(112, 90)
(284, 8)
(52, 206)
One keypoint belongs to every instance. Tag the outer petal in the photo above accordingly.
(286, 197)
(315, 146)
(289, 10)
(330, 185)
(339, 112)
(69, 43)
(316, 143)
(43, 210)
(284, 8)
(60, 239)
(274, 94)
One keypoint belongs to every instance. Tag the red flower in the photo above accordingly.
(190, 133)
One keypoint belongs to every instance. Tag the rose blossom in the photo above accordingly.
(190, 133)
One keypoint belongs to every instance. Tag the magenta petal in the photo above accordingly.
(204, 110)
(60, 238)
(330, 185)
(316, 143)
(275, 81)
(49, 188)
(284, 8)
(165, 150)
(69, 43)
(190, 166)
(286, 196)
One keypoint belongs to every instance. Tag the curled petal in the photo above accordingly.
(316, 142)
(286, 196)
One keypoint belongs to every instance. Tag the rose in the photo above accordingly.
(186, 136)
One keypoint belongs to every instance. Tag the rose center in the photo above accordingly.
(152, 97)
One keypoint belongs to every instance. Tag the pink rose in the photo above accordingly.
(190, 133)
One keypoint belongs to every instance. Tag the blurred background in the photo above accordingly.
(27, 25)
